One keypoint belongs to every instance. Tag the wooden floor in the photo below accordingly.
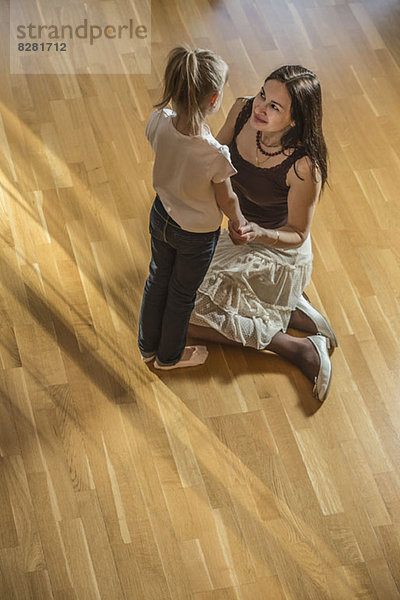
(228, 482)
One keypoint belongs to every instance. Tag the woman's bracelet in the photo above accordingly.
(276, 239)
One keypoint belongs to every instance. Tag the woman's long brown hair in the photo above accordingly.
(306, 112)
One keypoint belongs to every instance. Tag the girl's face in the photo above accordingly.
(271, 109)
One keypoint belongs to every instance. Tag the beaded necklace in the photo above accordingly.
(261, 149)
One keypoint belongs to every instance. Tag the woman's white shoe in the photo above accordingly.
(319, 320)
(323, 379)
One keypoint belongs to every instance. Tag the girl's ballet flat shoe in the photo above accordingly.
(147, 359)
(198, 357)
(319, 320)
(323, 380)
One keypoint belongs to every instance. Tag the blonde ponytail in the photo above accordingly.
(190, 77)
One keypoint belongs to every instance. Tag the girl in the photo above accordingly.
(191, 176)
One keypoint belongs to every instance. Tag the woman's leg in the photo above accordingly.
(210, 335)
(307, 318)
(299, 351)
(300, 321)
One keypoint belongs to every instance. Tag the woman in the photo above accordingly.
(253, 290)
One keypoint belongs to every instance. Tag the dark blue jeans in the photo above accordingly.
(179, 262)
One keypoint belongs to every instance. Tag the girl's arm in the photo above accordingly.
(302, 199)
(228, 202)
(226, 198)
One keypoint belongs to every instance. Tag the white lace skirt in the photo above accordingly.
(249, 291)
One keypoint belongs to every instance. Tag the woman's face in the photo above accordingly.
(271, 108)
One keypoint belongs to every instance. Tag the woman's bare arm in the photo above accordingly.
(302, 200)
(225, 134)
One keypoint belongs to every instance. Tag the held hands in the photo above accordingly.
(244, 233)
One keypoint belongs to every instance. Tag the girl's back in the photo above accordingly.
(184, 168)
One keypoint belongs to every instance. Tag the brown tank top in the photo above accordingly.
(262, 191)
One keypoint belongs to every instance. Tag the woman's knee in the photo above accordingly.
(209, 334)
